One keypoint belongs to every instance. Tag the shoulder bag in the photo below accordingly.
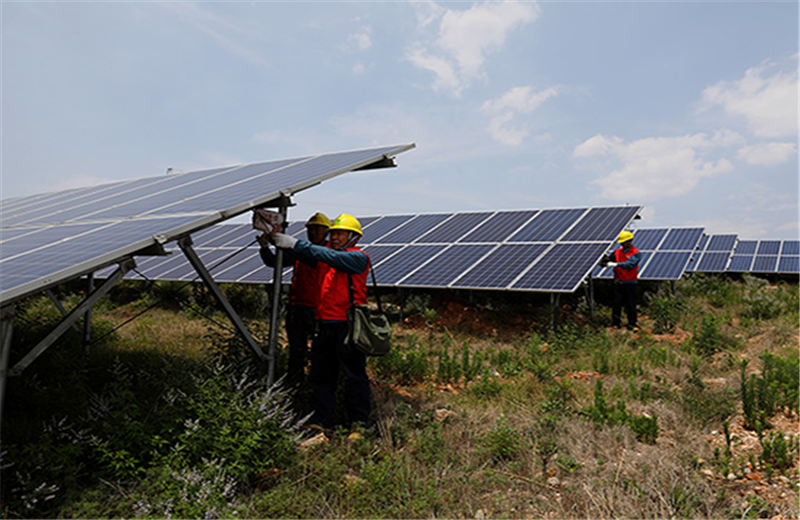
(368, 329)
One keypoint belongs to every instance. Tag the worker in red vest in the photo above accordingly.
(342, 265)
(303, 295)
(625, 262)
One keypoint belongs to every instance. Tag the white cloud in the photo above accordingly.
(361, 40)
(458, 52)
(766, 154)
(517, 100)
(767, 102)
(658, 167)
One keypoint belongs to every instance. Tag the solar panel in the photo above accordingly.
(411, 230)
(499, 226)
(381, 226)
(790, 247)
(501, 267)
(712, 254)
(547, 225)
(789, 264)
(457, 226)
(444, 268)
(562, 268)
(79, 231)
(399, 265)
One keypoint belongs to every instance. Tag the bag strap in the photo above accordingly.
(374, 283)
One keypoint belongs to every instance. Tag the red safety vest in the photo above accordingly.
(625, 275)
(305, 285)
(334, 296)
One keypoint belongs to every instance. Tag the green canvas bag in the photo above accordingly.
(368, 329)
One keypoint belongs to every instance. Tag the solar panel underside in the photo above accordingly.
(666, 253)
(50, 238)
(522, 250)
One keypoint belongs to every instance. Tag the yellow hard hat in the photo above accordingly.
(347, 223)
(625, 236)
(319, 219)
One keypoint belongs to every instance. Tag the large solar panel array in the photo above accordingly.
(51, 238)
(550, 250)
(666, 252)
(766, 257)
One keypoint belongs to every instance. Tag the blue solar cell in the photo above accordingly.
(398, 266)
(665, 265)
(602, 224)
(454, 228)
(501, 266)
(712, 262)
(382, 226)
(769, 247)
(746, 247)
(681, 239)
(225, 235)
(562, 268)
(722, 243)
(442, 269)
(378, 254)
(411, 230)
(790, 247)
(547, 226)
(765, 263)
(740, 263)
(243, 266)
(789, 264)
(701, 246)
(499, 226)
(648, 239)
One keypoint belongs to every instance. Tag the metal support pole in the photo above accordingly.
(591, 296)
(87, 318)
(186, 246)
(6, 329)
(277, 283)
(402, 295)
(124, 266)
(61, 308)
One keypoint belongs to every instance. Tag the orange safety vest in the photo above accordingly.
(625, 275)
(334, 295)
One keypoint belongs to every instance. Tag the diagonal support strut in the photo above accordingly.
(186, 246)
(76, 313)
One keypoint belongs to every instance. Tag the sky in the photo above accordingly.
(688, 108)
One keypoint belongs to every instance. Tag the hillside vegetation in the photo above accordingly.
(482, 410)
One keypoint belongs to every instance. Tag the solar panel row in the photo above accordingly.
(50, 238)
(527, 250)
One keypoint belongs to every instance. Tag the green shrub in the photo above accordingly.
(645, 428)
(778, 451)
(775, 388)
(666, 311)
(406, 365)
(502, 443)
(708, 340)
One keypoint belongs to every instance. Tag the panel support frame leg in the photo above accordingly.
(277, 284)
(6, 332)
(74, 315)
(185, 244)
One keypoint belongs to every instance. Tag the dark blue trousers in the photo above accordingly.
(300, 324)
(624, 297)
(330, 357)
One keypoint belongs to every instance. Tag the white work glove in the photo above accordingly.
(283, 240)
(611, 264)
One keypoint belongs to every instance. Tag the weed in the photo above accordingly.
(665, 310)
(502, 443)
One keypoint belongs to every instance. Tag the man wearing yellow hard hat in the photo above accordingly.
(343, 271)
(303, 297)
(625, 262)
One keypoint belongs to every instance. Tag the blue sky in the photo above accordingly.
(687, 108)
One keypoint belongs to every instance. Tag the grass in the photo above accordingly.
(167, 418)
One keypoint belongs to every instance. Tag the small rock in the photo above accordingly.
(753, 476)
(553, 481)
(707, 472)
(480, 515)
(320, 438)
(731, 476)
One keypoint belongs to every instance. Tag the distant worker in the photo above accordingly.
(303, 297)
(343, 268)
(625, 262)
